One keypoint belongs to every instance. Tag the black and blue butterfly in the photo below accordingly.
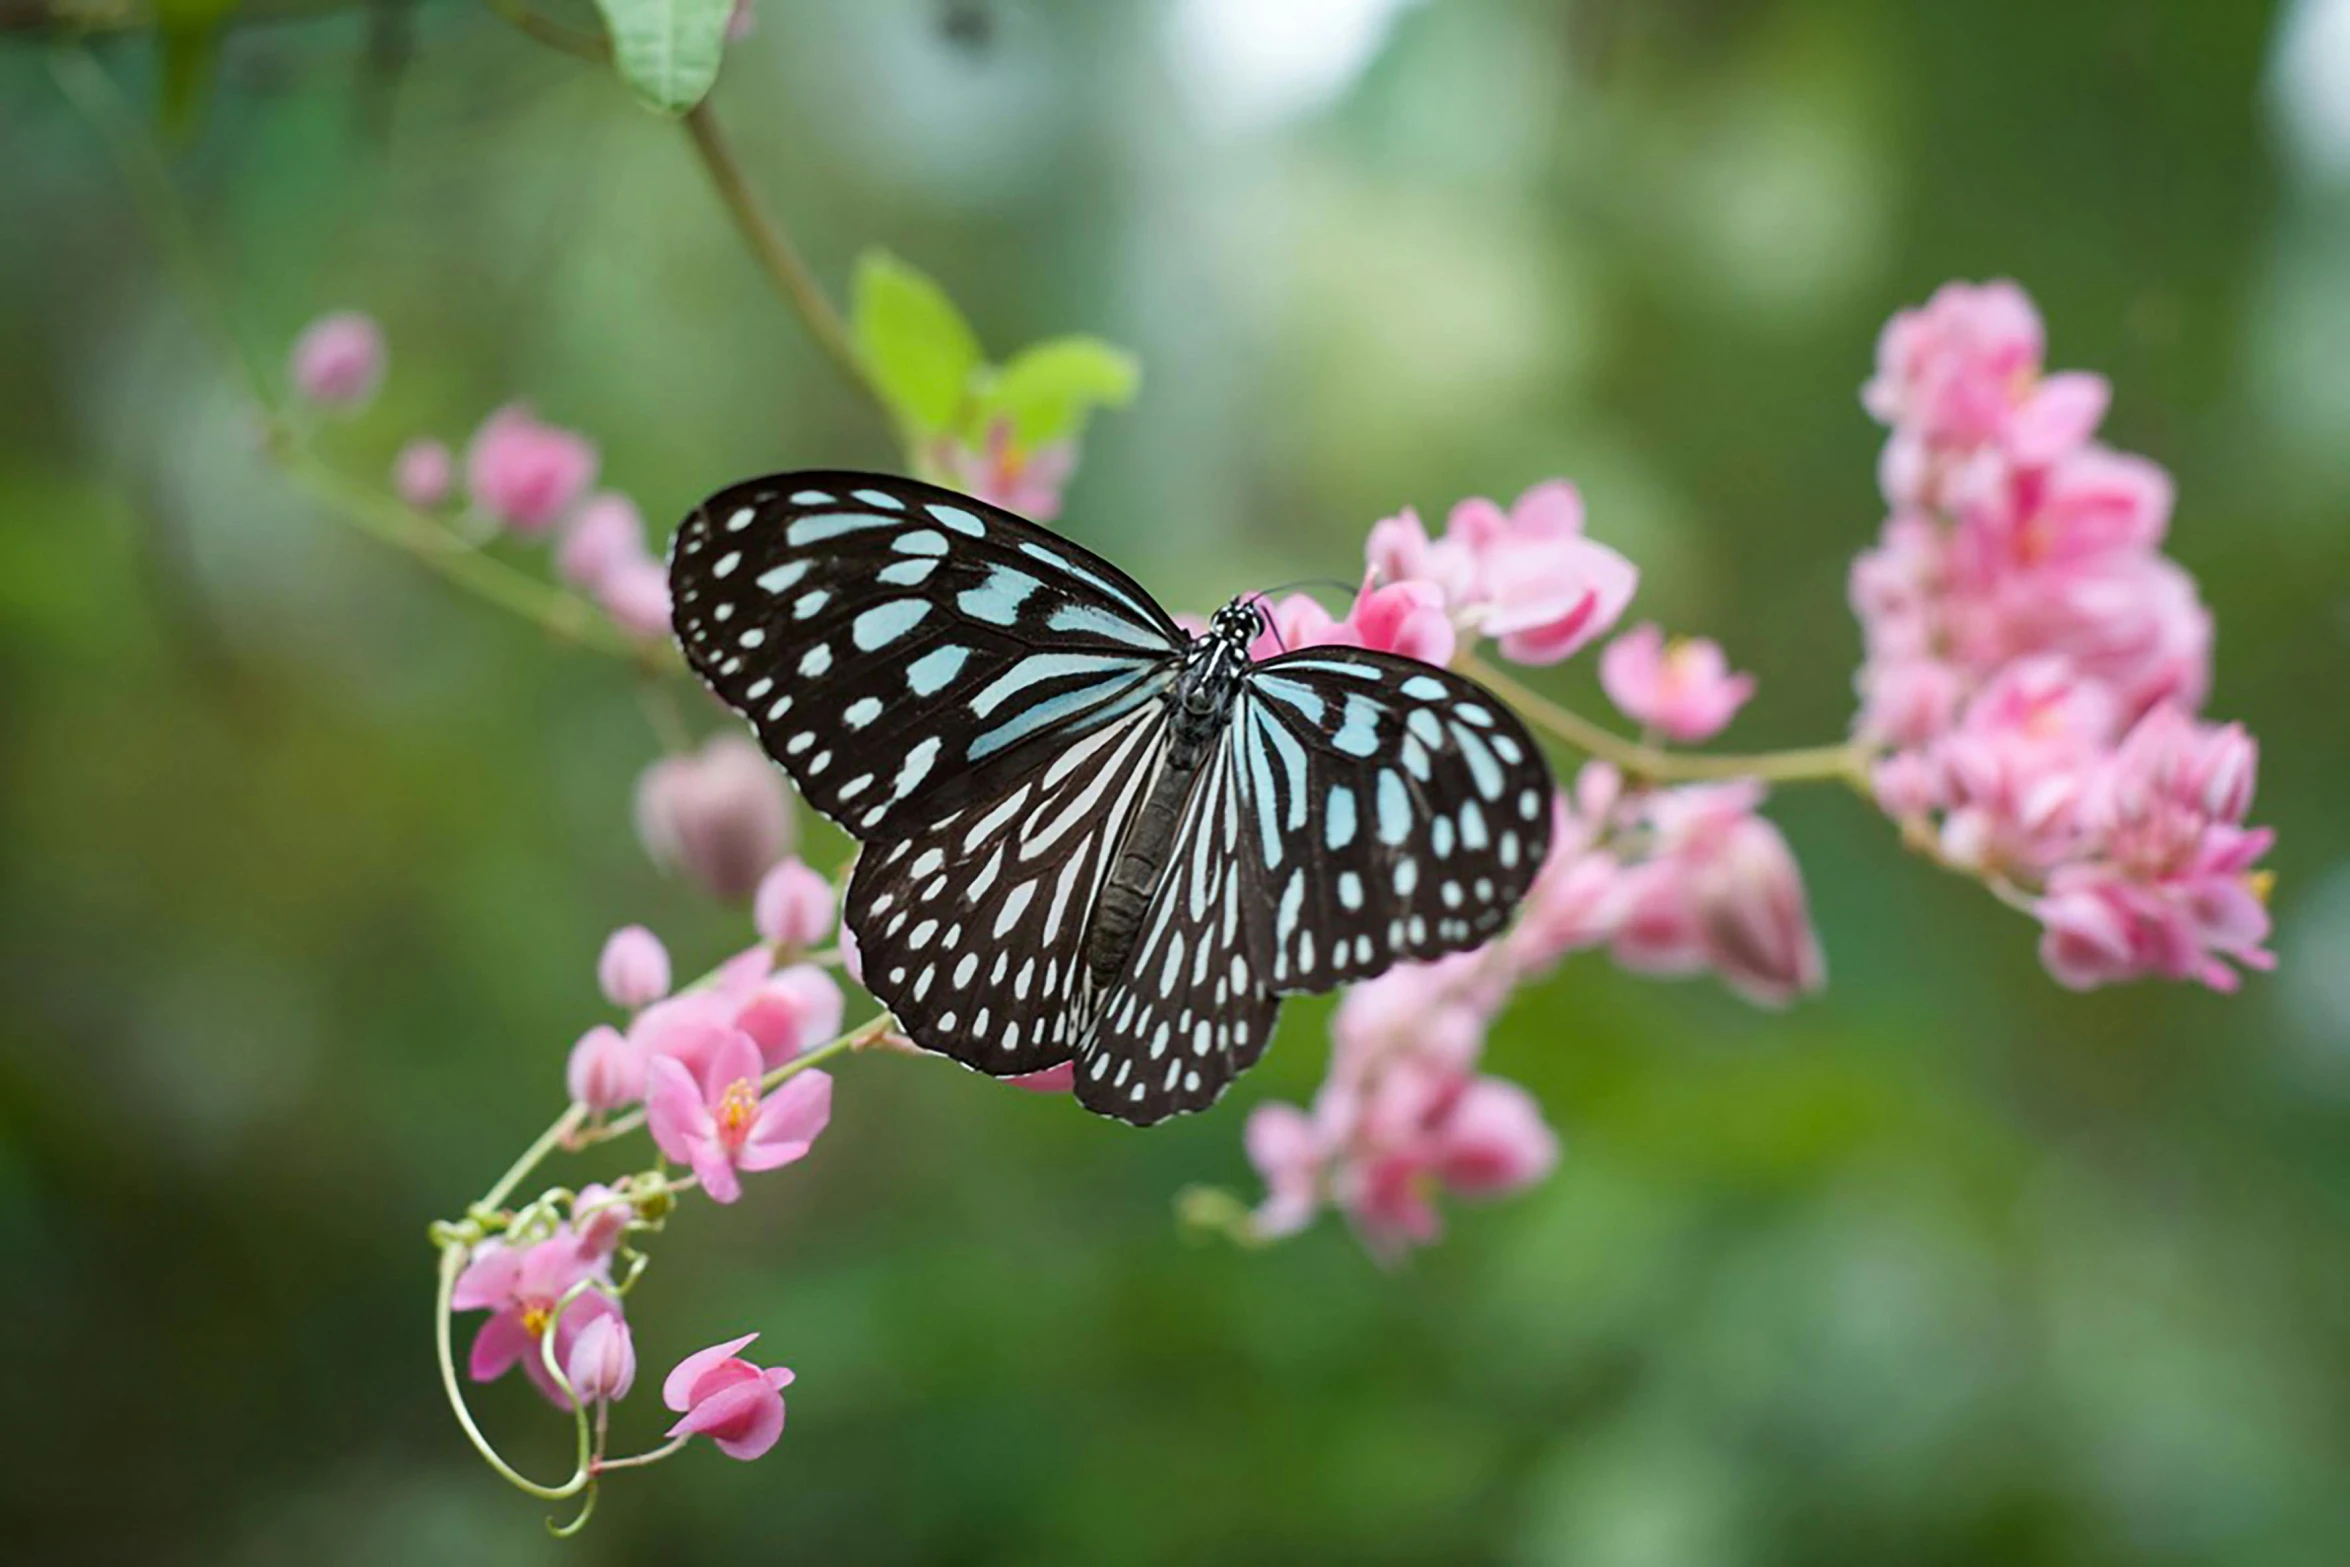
(1089, 836)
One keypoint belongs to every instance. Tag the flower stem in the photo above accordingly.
(453, 1263)
(639, 1460)
(1845, 763)
(777, 254)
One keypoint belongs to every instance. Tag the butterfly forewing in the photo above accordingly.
(901, 649)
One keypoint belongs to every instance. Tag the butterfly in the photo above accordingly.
(1087, 835)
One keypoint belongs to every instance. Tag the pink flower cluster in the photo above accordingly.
(695, 1059)
(1527, 576)
(562, 1285)
(2034, 661)
(1403, 1114)
(523, 475)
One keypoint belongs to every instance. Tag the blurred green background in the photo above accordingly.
(308, 858)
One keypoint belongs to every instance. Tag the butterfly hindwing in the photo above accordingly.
(1402, 812)
(971, 929)
(902, 649)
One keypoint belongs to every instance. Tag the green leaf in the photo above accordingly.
(1049, 388)
(920, 351)
(189, 32)
(667, 50)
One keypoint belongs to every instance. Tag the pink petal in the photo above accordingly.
(488, 1280)
(501, 1342)
(677, 1388)
(675, 1111)
(789, 1122)
(736, 1060)
(744, 1420)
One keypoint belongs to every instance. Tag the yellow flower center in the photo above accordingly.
(737, 1108)
(535, 1318)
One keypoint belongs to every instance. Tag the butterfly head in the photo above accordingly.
(1238, 624)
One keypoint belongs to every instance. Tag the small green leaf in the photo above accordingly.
(1049, 388)
(667, 51)
(920, 351)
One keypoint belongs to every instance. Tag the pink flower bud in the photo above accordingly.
(606, 1070)
(608, 531)
(633, 968)
(795, 1010)
(339, 359)
(602, 1364)
(793, 906)
(735, 1404)
(1753, 918)
(525, 473)
(422, 473)
(634, 591)
(718, 815)
(1682, 689)
(599, 1219)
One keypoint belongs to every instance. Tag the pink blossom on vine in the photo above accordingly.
(599, 1218)
(2164, 881)
(606, 1070)
(737, 1405)
(790, 1013)
(1684, 689)
(719, 815)
(717, 1122)
(998, 471)
(793, 905)
(523, 1289)
(338, 361)
(2020, 621)
(608, 532)
(601, 1365)
(526, 473)
(1403, 617)
(423, 472)
(634, 591)
(633, 968)
(1526, 576)
(1403, 1113)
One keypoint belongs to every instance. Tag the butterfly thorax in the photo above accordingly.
(1199, 707)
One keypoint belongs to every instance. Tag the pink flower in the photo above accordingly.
(1406, 618)
(1493, 1140)
(790, 1012)
(522, 1288)
(737, 1405)
(719, 815)
(633, 969)
(421, 474)
(1542, 588)
(793, 905)
(1909, 701)
(526, 473)
(634, 591)
(1399, 550)
(602, 1363)
(608, 532)
(1288, 1152)
(1956, 370)
(2014, 769)
(606, 1070)
(338, 361)
(1581, 895)
(719, 1124)
(2165, 883)
(1028, 484)
(1684, 690)
(1752, 915)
